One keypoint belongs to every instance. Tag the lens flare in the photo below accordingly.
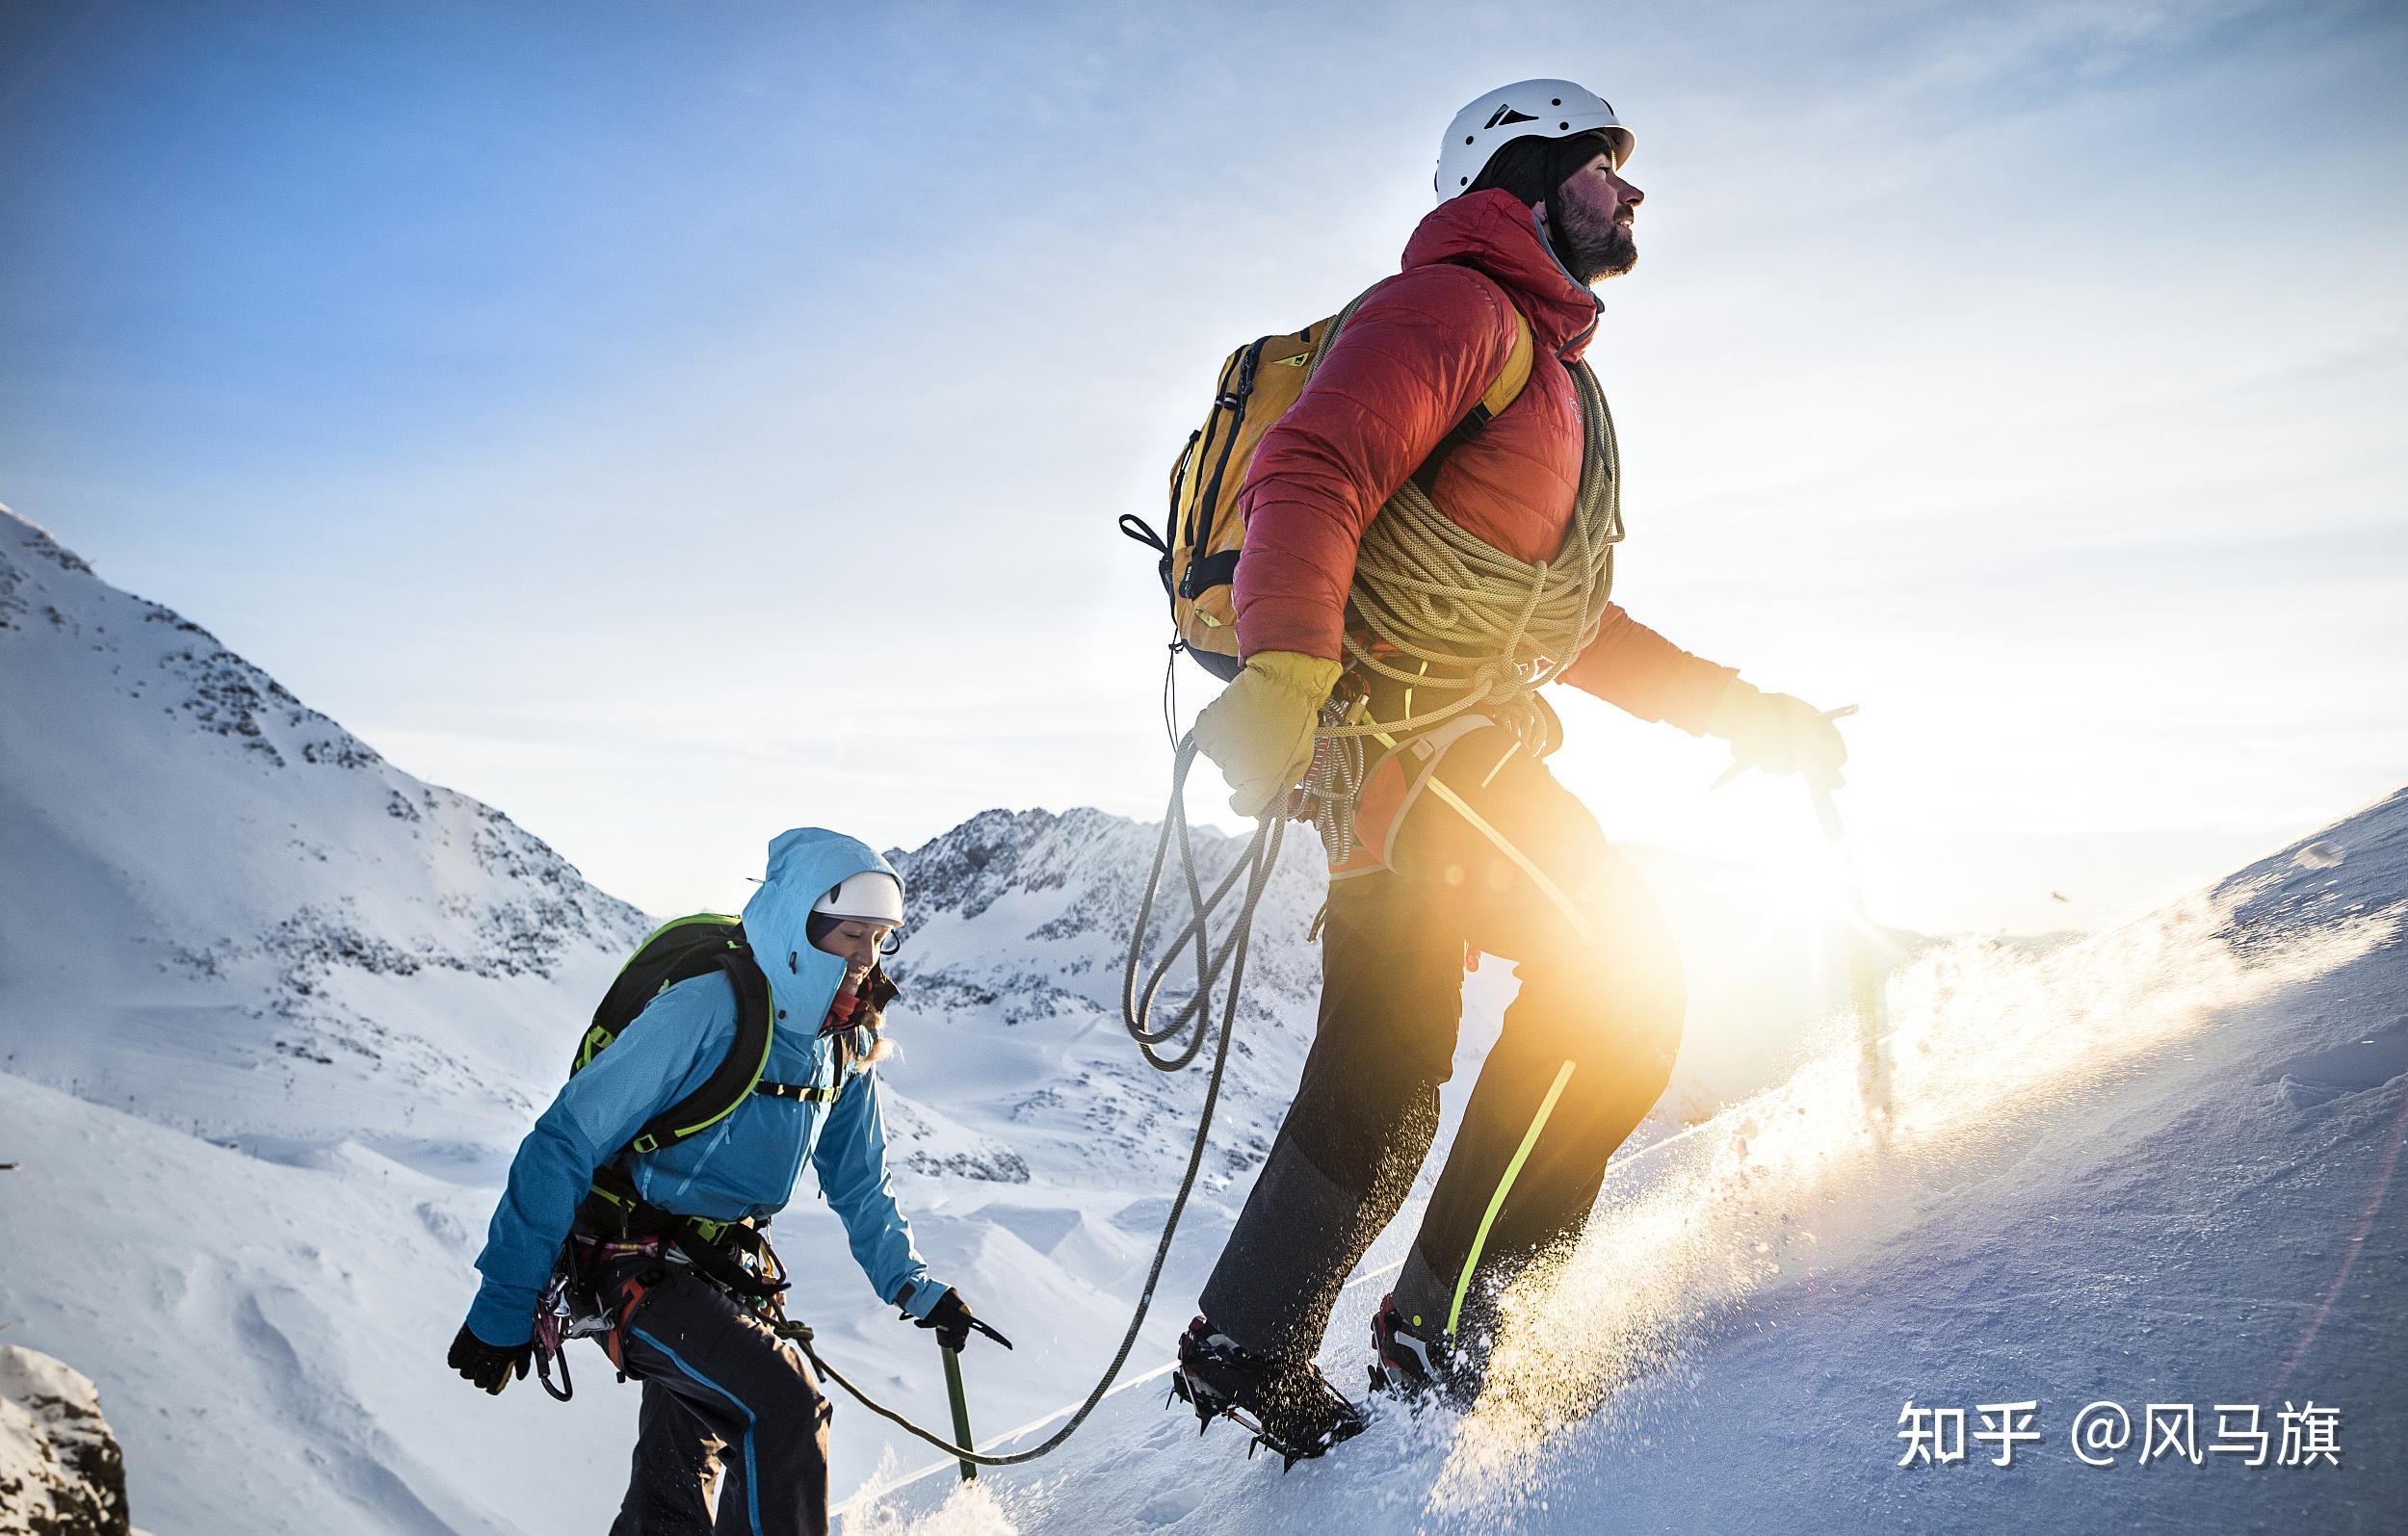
(1985, 1038)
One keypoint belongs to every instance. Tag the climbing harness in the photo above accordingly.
(572, 1305)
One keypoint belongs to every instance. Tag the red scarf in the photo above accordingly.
(844, 1013)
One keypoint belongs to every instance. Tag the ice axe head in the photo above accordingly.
(988, 1329)
(1822, 783)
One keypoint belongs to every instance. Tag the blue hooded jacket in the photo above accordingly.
(746, 1164)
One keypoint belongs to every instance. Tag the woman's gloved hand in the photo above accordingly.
(489, 1366)
(1778, 732)
(1260, 731)
(951, 1319)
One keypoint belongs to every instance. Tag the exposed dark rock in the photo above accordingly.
(62, 1472)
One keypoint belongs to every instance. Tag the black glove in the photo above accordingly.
(953, 1322)
(1779, 734)
(490, 1367)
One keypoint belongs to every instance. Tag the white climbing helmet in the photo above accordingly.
(871, 896)
(1527, 108)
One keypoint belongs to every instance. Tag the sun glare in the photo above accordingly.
(1794, 872)
(1985, 1038)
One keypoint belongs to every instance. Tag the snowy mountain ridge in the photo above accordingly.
(1019, 940)
(255, 876)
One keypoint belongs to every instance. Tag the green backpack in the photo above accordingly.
(679, 951)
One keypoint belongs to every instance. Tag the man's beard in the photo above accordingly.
(1591, 246)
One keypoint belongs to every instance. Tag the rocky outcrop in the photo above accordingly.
(60, 1471)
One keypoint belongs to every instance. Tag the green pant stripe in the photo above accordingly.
(1505, 1186)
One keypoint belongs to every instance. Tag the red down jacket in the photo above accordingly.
(1411, 363)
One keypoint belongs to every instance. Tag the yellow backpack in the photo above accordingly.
(1199, 545)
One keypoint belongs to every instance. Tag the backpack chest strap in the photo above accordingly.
(807, 1092)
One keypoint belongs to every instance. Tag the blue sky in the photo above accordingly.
(673, 423)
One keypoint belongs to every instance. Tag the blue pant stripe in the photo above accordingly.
(752, 1478)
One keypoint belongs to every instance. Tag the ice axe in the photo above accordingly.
(1739, 767)
(1864, 968)
(962, 1407)
(961, 1398)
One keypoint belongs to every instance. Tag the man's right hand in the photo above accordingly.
(491, 1367)
(1259, 730)
(1778, 732)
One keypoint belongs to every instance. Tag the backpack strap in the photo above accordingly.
(1503, 391)
(646, 973)
(737, 1073)
(1521, 355)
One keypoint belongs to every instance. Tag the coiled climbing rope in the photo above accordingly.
(1447, 614)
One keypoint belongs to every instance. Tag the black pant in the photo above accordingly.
(724, 1400)
(1586, 1049)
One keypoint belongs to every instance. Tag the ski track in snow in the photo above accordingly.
(273, 1015)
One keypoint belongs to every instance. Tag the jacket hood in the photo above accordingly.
(804, 865)
(1497, 235)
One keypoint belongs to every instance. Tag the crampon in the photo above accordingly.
(1289, 1408)
(1415, 1369)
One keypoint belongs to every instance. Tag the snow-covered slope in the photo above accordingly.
(2151, 1167)
(274, 1014)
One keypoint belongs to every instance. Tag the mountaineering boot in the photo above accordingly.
(1416, 1365)
(1286, 1404)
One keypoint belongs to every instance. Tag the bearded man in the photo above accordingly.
(1465, 843)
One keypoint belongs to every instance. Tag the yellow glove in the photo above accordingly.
(1259, 730)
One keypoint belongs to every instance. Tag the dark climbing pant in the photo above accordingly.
(725, 1400)
(1518, 871)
